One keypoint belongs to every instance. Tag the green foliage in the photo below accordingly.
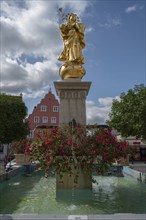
(128, 116)
(12, 114)
(20, 147)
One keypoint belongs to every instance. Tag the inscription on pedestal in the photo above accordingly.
(72, 95)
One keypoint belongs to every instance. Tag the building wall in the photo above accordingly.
(139, 148)
(45, 114)
(4, 148)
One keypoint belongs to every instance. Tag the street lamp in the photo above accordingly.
(72, 123)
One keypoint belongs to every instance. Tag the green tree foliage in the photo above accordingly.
(12, 114)
(128, 116)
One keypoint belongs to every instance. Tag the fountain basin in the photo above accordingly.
(37, 195)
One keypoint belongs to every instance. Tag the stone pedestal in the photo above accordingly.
(84, 180)
(72, 94)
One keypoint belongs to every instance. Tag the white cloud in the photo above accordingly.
(30, 30)
(110, 22)
(133, 8)
(89, 29)
(28, 78)
(107, 101)
(99, 114)
(75, 6)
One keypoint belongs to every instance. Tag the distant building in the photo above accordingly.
(139, 148)
(137, 145)
(44, 115)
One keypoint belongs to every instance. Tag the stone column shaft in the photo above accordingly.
(72, 94)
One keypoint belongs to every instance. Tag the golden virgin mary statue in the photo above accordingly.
(72, 34)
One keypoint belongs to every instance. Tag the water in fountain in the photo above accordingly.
(36, 194)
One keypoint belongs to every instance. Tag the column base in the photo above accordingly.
(84, 181)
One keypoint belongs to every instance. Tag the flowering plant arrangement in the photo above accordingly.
(65, 148)
(20, 147)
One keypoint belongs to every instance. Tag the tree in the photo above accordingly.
(128, 116)
(12, 114)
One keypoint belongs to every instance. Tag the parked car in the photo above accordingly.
(10, 165)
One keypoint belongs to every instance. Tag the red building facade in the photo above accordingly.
(44, 115)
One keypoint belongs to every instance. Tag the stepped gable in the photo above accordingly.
(45, 113)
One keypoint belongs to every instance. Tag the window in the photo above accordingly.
(31, 134)
(53, 120)
(55, 108)
(43, 108)
(45, 119)
(36, 119)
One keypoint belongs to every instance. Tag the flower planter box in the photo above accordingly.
(22, 159)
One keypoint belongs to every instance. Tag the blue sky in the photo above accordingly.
(114, 52)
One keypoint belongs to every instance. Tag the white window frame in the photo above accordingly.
(55, 108)
(43, 108)
(36, 119)
(53, 120)
(31, 134)
(44, 119)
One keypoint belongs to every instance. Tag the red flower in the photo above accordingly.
(48, 158)
(99, 139)
(61, 147)
(70, 141)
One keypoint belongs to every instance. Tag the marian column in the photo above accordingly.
(72, 91)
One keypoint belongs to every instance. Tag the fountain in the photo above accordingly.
(37, 195)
